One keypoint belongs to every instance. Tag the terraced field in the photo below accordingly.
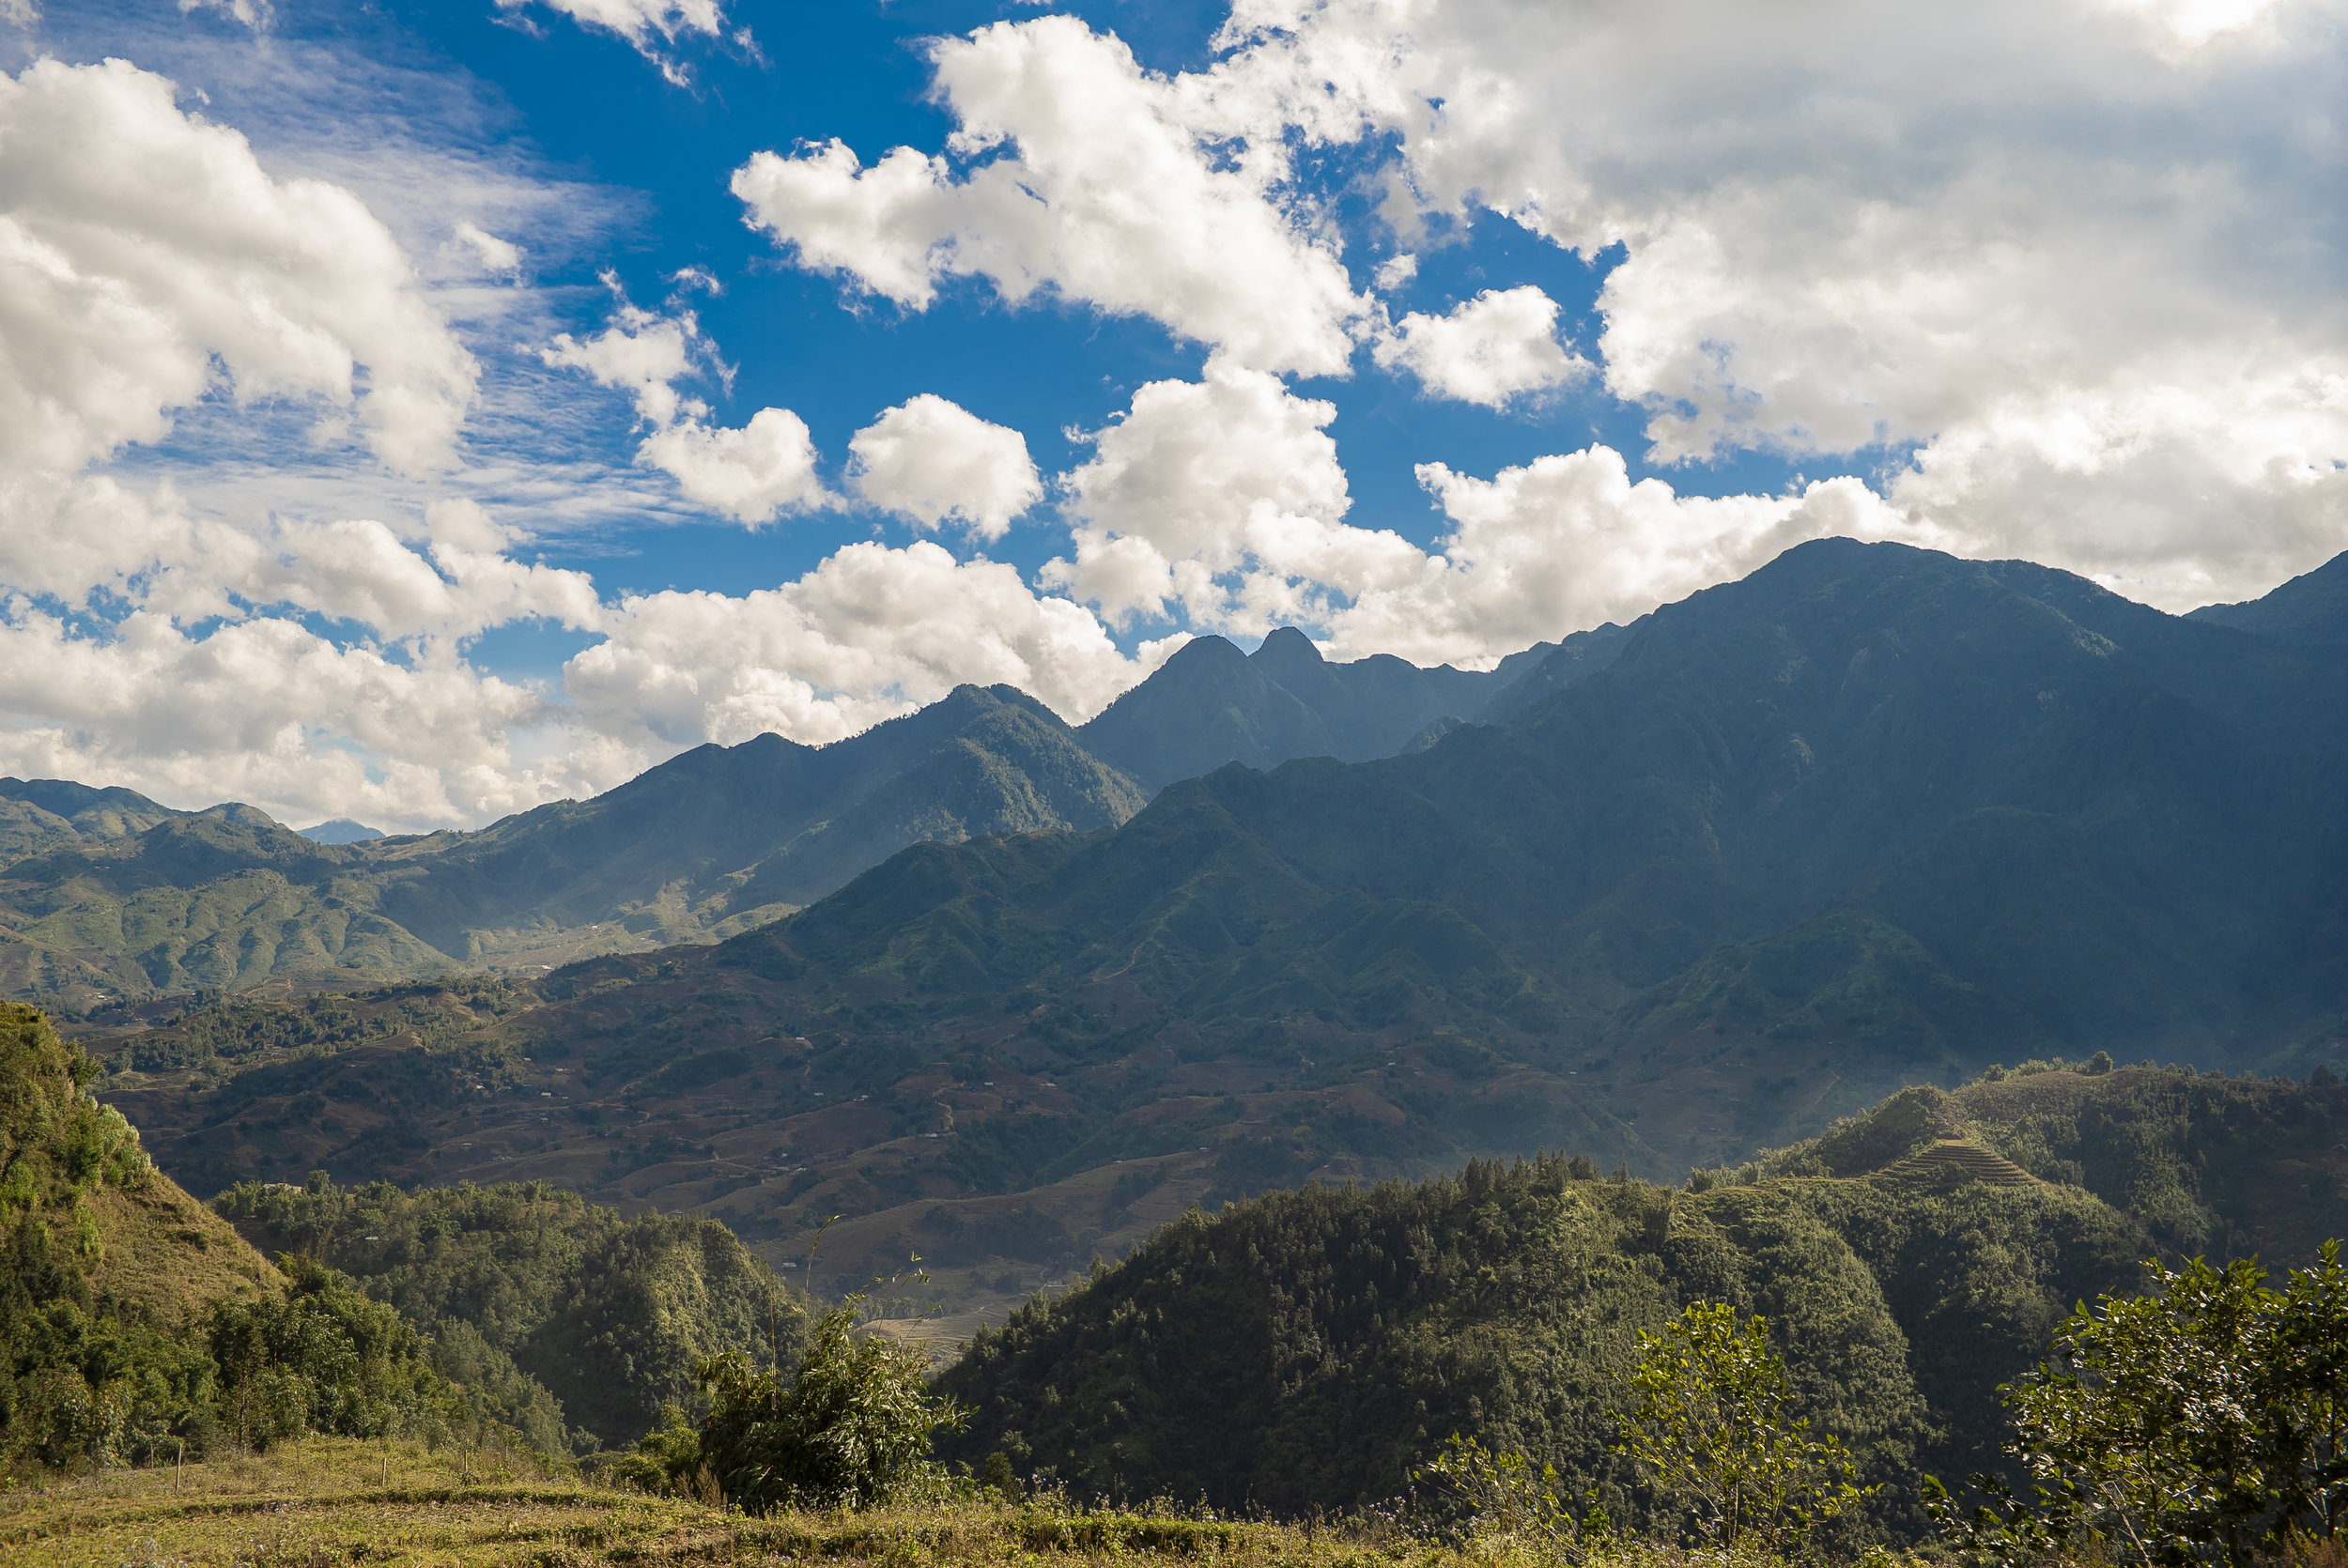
(1948, 1162)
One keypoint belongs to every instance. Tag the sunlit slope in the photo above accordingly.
(85, 1217)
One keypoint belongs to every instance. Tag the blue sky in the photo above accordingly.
(366, 516)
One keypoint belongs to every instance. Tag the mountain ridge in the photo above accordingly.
(111, 895)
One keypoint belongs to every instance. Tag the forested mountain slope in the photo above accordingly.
(36, 813)
(137, 1324)
(1870, 812)
(1307, 1349)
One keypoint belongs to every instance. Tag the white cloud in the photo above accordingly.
(871, 633)
(256, 14)
(1224, 498)
(642, 354)
(930, 460)
(1568, 541)
(749, 474)
(1495, 347)
(241, 713)
(642, 22)
(1998, 232)
(252, 12)
(1072, 170)
(144, 256)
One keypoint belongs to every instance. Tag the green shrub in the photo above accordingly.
(851, 1431)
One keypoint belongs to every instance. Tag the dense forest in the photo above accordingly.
(603, 1318)
(1310, 1349)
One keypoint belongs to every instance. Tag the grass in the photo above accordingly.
(331, 1503)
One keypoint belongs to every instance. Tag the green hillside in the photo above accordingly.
(135, 1325)
(1871, 800)
(107, 898)
(1306, 1349)
(1300, 1352)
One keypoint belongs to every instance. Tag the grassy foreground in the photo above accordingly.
(328, 1501)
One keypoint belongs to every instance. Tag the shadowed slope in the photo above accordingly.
(2312, 608)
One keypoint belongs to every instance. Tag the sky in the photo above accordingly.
(418, 411)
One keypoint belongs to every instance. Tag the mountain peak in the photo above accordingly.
(1286, 653)
(2311, 608)
(342, 830)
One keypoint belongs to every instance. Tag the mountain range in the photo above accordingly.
(1872, 817)
(106, 895)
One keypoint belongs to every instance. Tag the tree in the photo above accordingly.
(1714, 1425)
(2203, 1420)
(849, 1432)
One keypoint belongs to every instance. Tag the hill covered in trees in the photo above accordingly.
(1303, 1350)
(1309, 1350)
(605, 1318)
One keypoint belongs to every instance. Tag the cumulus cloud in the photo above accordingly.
(1224, 501)
(146, 257)
(150, 268)
(642, 353)
(751, 475)
(1072, 170)
(1221, 497)
(870, 633)
(933, 460)
(2002, 235)
(1491, 349)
